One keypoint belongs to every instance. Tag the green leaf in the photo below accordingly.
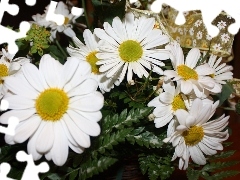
(73, 175)
(93, 167)
(156, 166)
(223, 175)
(54, 176)
(227, 90)
(218, 165)
(193, 174)
(224, 154)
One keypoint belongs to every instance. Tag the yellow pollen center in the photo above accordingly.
(51, 104)
(130, 51)
(66, 20)
(92, 59)
(187, 73)
(193, 136)
(3, 70)
(178, 103)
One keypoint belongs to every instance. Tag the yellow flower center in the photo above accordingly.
(66, 20)
(92, 59)
(3, 70)
(51, 104)
(178, 103)
(193, 136)
(186, 72)
(130, 51)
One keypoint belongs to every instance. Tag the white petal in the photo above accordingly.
(26, 128)
(166, 97)
(192, 57)
(197, 156)
(90, 40)
(182, 116)
(46, 138)
(186, 86)
(19, 102)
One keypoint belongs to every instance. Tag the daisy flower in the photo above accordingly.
(192, 77)
(199, 35)
(222, 71)
(129, 46)
(221, 25)
(88, 53)
(217, 47)
(195, 136)
(167, 103)
(9, 67)
(57, 106)
(225, 37)
(66, 28)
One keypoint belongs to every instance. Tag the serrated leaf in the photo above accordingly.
(218, 165)
(223, 175)
(227, 90)
(193, 174)
(93, 167)
(224, 154)
(73, 175)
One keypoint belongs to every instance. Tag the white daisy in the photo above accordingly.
(130, 46)
(221, 25)
(88, 53)
(195, 135)
(9, 67)
(225, 37)
(187, 73)
(57, 106)
(191, 31)
(198, 23)
(208, 37)
(167, 103)
(199, 35)
(217, 47)
(66, 28)
(222, 71)
(194, 43)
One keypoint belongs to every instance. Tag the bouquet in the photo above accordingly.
(114, 87)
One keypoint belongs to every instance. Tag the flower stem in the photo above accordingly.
(61, 49)
(85, 13)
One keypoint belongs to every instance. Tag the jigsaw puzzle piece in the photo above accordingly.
(12, 9)
(4, 170)
(12, 124)
(9, 36)
(30, 2)
(31, 171)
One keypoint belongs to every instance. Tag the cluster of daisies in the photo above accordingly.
(58, 106)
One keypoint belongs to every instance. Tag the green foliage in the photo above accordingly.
(156, 166)
(227, 90)
(106, 11)
(147, 139)
(211, 171)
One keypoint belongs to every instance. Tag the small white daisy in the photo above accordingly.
(67, 26)
(221, 25)
(198, 23)
(195, 135)
(192, 77)
(199, 35)
(57, 105)
(217, 47)
(225, 37)
(167, 103)
(194, 43)
(88, 53)
(129, 46)
(222, 71)
(191, 31)
(208, 37)
(9, 67)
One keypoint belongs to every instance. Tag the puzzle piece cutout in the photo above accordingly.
(210, 10)
(31, 170)
(58, 18)
(4, 170)
(12, 124)
(7, 35)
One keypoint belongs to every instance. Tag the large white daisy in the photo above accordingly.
(192, 77)
(88, 53)
(9, 67)
(195, 135)
(167, 103)
(57, 106)
(129, 46)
